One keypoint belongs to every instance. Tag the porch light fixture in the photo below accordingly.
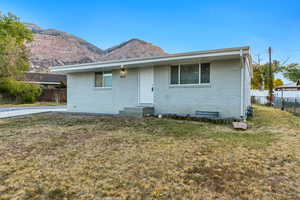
(123, 72)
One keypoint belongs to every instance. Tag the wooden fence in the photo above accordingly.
(53, 95)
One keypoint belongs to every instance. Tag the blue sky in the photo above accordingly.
(175, 26)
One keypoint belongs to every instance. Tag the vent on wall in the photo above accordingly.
(207, 114)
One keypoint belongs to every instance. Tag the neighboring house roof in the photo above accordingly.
(292, 86)
(43, 78)
(205, 56)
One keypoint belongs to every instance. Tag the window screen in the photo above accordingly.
(107, 79)
(205, 73)
(174, 74)
(98, 79)
(189, 74)
(103, 79)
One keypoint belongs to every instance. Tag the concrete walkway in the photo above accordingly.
(20, 111)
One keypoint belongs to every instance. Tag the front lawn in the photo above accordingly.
(59, 156)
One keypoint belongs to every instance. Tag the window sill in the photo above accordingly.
(102, 88)
(191, 86)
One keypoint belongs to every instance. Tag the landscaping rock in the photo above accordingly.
(240, 125)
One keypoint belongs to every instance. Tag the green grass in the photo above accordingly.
(60, 156)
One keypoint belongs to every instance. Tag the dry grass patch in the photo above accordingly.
(57, 156)
(40, 103)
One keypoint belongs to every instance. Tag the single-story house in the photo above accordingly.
(216, 81)
(46, 80)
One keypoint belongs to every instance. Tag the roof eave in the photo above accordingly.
(152, 60)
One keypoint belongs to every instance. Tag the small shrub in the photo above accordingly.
(23, 92)
(56, 194)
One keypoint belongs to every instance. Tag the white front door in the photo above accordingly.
(146, 85)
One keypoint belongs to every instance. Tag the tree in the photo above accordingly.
(277, 82)
(257, 80)
(261, 77)
(14, 57)
(292, 72)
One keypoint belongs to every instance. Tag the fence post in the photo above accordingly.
(56, 98)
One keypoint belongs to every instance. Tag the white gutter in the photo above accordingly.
(104, 65)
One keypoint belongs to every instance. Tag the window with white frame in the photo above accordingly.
(190, 74)
(103, 79)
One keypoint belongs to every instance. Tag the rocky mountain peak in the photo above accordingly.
(51, 47)
(33, 27)
(133, 48)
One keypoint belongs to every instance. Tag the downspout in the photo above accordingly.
(244, 91)
(242, 113)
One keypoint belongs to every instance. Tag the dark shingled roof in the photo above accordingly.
(43, 77)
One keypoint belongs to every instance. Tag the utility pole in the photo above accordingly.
(270, 77)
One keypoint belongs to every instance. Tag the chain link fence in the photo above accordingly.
(290, 104)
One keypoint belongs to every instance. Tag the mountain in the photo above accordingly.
(52, 47)
(134, 48)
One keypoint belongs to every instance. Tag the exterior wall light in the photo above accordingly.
(123, 72)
